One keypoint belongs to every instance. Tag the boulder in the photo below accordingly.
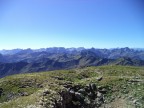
(89, 96)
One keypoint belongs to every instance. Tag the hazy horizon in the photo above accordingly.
(69, 48)
(71, 23)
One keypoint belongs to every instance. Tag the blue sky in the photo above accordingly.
(71, 23)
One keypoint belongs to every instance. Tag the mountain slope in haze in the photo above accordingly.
(24, 61)
(47, 65)
(29, 54)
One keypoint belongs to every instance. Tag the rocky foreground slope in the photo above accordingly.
(91, 87)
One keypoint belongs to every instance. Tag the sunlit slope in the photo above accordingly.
(86, 87)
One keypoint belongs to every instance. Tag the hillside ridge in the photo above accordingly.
(28, 60)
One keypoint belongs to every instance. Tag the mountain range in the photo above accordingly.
(28, 60)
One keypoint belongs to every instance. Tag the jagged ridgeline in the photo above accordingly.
(89, 87)
(27, 61)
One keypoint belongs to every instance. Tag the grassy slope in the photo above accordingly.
(115, 78)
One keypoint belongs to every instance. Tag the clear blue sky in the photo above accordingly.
(71, 23)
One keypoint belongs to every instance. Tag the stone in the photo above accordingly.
(94, 86)
(99, 78)
(1, 91)
(130, 97)
(79, 96)
(87, 89)
(59, 78)
(103, 91)
(135, 80)
(137, 77)
(45, 92)
(90, 87)
(99, 94)
(72, 92)
(87, 101)
(82, 91)
(41, 103)
(129, 82)
(39, 86)
(139, 84)
(92, 95)
(119, 96)
(24, 94)
(124, 87)
(100, 87)
(135, 101)
(10, 96)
